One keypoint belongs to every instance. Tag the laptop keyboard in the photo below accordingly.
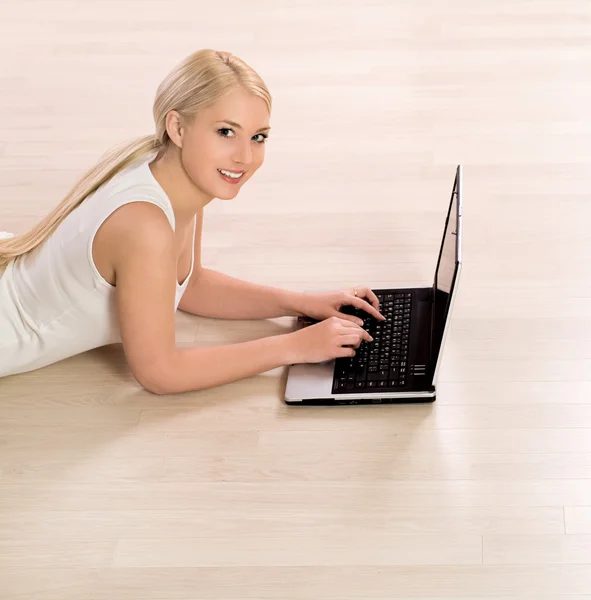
(381, 365)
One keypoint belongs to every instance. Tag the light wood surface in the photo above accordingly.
(108, 492)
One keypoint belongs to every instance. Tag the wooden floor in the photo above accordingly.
(110, 493)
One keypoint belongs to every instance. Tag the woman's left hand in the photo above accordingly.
(322, 305)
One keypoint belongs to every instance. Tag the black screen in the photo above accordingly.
(446, 272)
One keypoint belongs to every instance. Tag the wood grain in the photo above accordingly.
(107, 491)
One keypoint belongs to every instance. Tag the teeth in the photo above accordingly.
(232, 175)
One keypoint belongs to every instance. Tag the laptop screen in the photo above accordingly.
(447, 270)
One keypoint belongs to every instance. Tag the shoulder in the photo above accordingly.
(137, 232)
(140, 222)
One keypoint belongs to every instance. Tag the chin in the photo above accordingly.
(227, 195)
(223, 193)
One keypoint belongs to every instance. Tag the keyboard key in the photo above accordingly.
(378, 375)
(360, 373)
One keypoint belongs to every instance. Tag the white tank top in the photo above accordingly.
(53, 301)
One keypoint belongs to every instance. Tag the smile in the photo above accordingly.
(229, 176)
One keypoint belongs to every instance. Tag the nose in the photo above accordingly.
(243, 154)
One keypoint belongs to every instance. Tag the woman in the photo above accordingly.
(121, 253)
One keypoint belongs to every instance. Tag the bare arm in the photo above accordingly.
(217, 295)
(145, 268)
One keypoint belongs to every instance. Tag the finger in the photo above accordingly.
(343, 352)
(367, 307)
(365, 292)
(349, 323)
(353, 341)
(351, 318)
(359, 334)
(372, 298)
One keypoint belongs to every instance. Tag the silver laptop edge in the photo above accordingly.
(454, 291)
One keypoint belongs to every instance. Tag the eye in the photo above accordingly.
(223, 132)
(223, 129)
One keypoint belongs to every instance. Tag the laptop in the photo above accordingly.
(402, 363)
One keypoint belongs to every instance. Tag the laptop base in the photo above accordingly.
(313, 384)
(369, 400)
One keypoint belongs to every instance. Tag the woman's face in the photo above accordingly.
(227, 136)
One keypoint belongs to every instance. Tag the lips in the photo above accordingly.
(231, 179)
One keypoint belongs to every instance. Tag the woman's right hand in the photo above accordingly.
(326, 340)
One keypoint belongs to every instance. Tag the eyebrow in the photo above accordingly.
(238, 126)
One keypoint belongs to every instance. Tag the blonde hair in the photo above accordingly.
(197, 82)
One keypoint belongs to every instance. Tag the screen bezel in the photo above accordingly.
(457, 192)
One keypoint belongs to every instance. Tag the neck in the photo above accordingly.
(185, 197)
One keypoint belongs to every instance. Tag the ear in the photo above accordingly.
(175, 128)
